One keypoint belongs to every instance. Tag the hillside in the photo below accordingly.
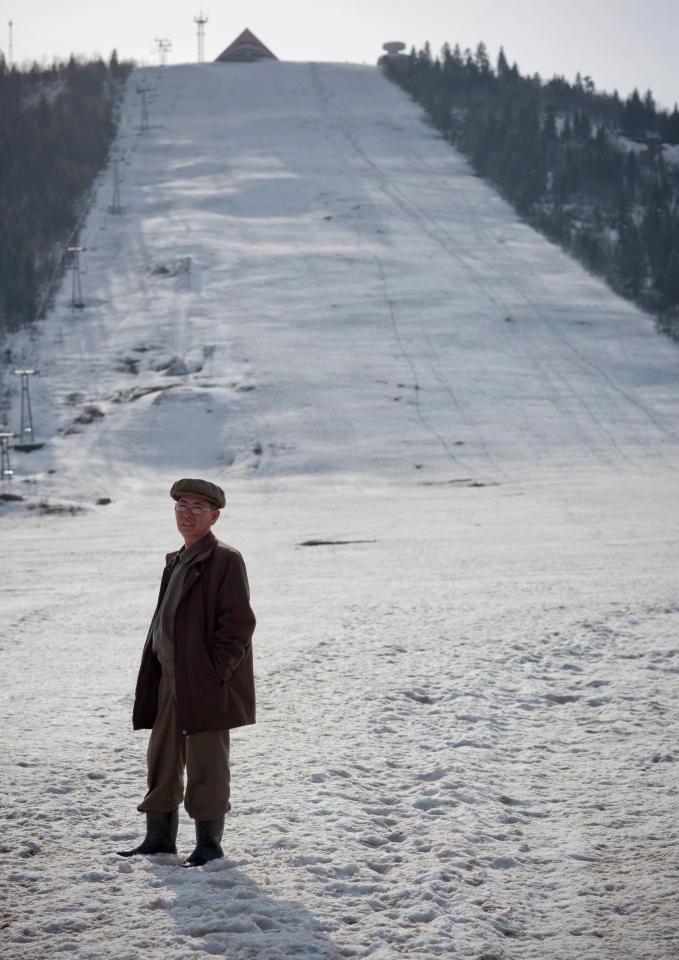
(466, 741)
(56, 128)
(319, 256)
(596, 175)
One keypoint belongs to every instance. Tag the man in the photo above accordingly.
(196, 679)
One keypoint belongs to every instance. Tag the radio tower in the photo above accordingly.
(200, 22)
(11, 44)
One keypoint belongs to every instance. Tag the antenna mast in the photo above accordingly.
(200, 22)
(11, 43)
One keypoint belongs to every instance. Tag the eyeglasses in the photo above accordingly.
(195, 508)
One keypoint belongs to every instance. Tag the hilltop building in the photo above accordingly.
(245, 48)
(394, 55)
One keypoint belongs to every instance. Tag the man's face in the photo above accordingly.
(194, 517)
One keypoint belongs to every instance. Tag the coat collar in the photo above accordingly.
(207, 545)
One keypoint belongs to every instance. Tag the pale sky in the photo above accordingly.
(619, 43)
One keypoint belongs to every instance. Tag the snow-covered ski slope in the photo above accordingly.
(327, 249)
(466, 743)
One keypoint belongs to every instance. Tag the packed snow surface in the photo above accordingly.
(451, 463)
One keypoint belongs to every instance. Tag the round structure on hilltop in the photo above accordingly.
(394, 47)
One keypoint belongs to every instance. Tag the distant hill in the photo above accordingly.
(597, 174)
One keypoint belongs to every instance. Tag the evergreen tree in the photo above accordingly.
(634, 116)
(668, 281)
(670, 127)
(651, 120)
(502, 65)
(482, 60)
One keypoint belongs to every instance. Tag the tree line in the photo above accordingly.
(56, 127)
(588, 169)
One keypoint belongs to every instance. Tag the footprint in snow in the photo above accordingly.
(419, 696)
(432, 775)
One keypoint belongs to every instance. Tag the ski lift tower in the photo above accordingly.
(163, 46)
(142, 90)
(6, 472)
(76, 287)
(116, 206)
(26, 435)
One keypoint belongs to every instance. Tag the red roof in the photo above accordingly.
(246, 47)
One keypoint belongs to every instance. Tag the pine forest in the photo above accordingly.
(56, 128)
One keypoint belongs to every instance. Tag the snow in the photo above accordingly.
(671, 153)
(466, 742)
(631, 146)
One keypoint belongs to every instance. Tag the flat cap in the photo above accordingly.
(199, 488)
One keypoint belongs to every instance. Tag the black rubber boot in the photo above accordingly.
(161, 834)
(208, 842)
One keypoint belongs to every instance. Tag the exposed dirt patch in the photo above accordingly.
(331, 543)
(58, 509)
(458, 482)
(90, 414)
(135, 393)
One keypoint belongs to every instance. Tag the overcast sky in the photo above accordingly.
(619, 43)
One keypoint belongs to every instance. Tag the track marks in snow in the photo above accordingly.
(346, 234)
(430, 797)
(470, 788)
(548, 319)
(601, 421)
(463, 744)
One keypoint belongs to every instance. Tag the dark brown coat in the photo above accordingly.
(213, 631)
